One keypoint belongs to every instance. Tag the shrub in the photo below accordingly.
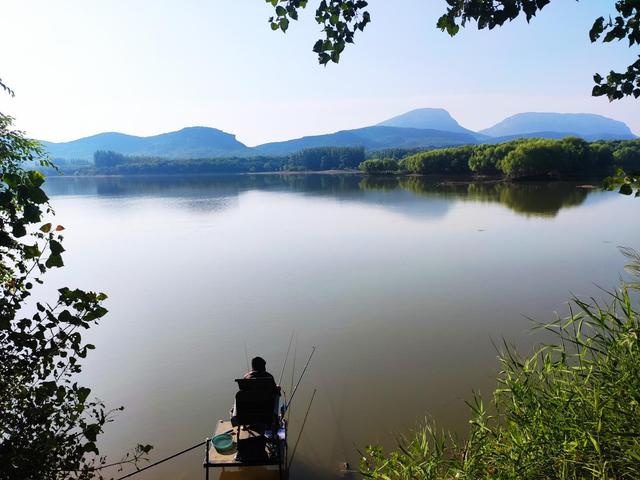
(443, 161)
(386, 165)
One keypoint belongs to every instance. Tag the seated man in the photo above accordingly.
(255, 394)
(258, 369)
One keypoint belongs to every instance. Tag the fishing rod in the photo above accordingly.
(246, 355)
(293, 376)
(295, 447)
(285, 358)
(304, 370)
(203, 443)
(286, 407)
(163, 460)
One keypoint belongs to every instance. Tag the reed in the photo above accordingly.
(569, 410)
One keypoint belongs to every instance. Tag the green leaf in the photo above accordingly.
(91, 448)
(19, 230)
(83, 394)
(36, 177)
(31, 251)
(31, 213)
(56, 247)
(37, 195)
(626, 189)
(596, 29)
(11, 179)
(54, 261)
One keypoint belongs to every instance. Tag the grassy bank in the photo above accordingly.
(570, 410)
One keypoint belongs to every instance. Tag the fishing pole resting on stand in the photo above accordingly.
(304, 370)
(283, 410)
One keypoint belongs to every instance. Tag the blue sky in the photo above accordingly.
(149, 66)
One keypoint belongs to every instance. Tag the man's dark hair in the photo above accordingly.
(258, 364)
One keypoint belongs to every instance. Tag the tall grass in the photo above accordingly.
(570, 410)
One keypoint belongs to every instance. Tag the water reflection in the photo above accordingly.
(540, 199)
(543, 199)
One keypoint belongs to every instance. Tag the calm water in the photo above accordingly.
(401, 284)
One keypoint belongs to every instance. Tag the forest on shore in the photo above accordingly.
(515, 159)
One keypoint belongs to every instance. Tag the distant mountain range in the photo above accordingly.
(372, 138)
(190, 142)
(422, 128)
(553, 125)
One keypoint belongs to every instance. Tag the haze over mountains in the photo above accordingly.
(190, 142)
(586, 125)
(421, 128)
(428, 118)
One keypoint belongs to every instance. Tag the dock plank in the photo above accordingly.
(228, 459)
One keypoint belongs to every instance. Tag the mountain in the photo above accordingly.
(371, 138)
(191, 142)
(421, 128)
(558, 125)
(427, 118)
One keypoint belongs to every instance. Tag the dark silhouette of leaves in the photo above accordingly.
(341, 19)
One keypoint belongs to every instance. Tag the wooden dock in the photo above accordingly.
(234, 469)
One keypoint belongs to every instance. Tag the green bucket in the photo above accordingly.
(222, 443)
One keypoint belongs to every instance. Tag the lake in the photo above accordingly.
(401, 283)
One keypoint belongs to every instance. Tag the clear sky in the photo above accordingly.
(80, 67)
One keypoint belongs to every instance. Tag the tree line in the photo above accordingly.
(309, 159)
(516, 159)
(521, 158)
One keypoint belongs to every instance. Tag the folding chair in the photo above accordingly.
(256, 414)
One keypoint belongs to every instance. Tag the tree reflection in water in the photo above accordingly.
(210, 192)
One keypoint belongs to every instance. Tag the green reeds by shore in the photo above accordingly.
(570, 410)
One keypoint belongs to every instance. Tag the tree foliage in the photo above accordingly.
(443, 161)
(326, 158)
(48, 423)
(526, 158)
(485, 160)
(309, 159)
(341, 19)
(385, 165)
(625, 183)
(3, 86)
(396, 153)
(113, 163)
(625, 26)
(520, 158)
